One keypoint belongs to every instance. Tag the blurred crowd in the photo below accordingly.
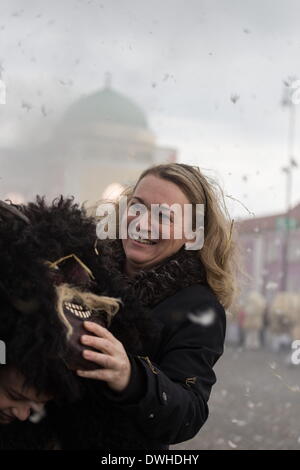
(254, 323)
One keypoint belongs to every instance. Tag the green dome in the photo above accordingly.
(106, 105)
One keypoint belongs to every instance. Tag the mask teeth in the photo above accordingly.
(78, 310)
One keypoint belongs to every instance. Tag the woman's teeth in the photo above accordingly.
(144, 241)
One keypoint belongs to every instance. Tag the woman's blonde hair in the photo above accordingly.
(219, 254)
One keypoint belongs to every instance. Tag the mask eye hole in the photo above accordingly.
(55, 264)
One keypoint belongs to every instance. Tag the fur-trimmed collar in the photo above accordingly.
(152, 286)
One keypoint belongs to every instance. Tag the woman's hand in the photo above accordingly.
(112, 357)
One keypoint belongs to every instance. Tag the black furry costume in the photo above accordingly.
(87, 414)
(35, 341)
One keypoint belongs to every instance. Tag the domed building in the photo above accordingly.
(106, 142)
(101, 144)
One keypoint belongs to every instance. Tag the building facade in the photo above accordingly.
(102, 141)
(271, 249)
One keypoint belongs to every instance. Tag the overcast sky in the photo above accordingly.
(182, 61)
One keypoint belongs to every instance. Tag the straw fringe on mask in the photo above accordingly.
(67, 293)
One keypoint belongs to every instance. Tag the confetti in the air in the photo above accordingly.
(204, 318)
(234, 97)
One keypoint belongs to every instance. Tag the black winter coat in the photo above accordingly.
(167, 397)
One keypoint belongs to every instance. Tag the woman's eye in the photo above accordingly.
(165, 218)
(137, 206)
(13, 397)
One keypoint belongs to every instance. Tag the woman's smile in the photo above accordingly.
(143, 243)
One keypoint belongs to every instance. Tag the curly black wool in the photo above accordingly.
(36, 340)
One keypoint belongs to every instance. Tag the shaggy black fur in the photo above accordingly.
(36, 340)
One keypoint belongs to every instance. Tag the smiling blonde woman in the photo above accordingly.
(160, 395)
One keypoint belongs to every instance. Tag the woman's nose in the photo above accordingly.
(144, 223)
(21, 412)
(140, 222)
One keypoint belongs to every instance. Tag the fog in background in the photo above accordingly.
(209, 75)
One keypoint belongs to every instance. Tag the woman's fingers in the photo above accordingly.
(101, 344)
(108, 362)
(115, 364)
(99, 374)
(99, 330)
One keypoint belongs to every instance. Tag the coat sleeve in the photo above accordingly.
(167, 399)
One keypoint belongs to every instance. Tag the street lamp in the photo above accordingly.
(288, 102)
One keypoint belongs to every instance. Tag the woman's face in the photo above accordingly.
(17, 401)
(154, 190)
